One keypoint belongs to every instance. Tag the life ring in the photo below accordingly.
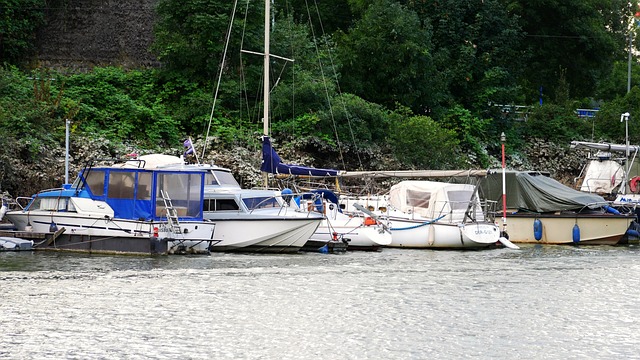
(633, 184)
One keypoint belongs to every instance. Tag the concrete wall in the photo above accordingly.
(84, 33)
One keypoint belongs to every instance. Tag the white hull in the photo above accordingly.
(407, 233)
(602, 229)
(196, 235)
(354, 230)
(264, 235)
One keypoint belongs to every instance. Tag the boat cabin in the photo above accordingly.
(129, 193)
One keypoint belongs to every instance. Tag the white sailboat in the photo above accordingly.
(429, 214)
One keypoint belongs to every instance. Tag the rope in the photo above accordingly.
(429, 222)
(224, 57)
(326, 88)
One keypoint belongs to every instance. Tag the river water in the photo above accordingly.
(552, 302)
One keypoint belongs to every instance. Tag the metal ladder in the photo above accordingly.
(172, 214)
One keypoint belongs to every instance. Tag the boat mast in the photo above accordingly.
(265, 99)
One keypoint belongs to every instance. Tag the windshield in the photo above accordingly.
(222, 178)
(261, 203)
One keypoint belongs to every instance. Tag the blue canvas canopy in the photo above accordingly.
(271, 163)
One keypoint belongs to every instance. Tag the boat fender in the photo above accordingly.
(576, 233)
(611, 210)
(633, 184)
(369, 221)
(53, 227)
(3, 210)
(287, 194)
(633, 233)
(537, 229)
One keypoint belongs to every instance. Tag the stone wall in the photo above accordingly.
(86, 33)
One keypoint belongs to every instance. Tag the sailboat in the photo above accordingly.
(432, 214)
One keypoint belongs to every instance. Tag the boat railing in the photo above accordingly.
(14, 204)
(606, 206)
(454, 211)
(589, 181)
(283, 206)
(490, 209)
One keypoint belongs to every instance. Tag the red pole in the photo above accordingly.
(504, 187)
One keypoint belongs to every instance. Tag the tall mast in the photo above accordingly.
(265, 99)
(267, 30)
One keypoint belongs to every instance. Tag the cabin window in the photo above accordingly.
(50, 204)
(144, 185)
(221, 205)
(459, 199)
(418, 198)
(184, 190)
(261, 203)
(95, 181)
(121, 185)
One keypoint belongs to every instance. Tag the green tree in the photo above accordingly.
(607, 122)
(475, 50)
(19, 20)
(387, 58)
(581, 37)
(190, 36)
(122, 105)
(556, 123)
(420, 143)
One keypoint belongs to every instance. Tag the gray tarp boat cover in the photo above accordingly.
(533, 191)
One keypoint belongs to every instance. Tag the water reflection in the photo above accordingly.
(539, 302)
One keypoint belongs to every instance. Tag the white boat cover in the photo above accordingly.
(431, 199)
(152, 161)
(602, 177)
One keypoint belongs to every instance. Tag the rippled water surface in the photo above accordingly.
(538, 302)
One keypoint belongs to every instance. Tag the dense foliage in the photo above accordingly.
(19, 20)
(434, 83)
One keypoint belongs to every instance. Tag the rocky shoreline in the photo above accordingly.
(25, 175)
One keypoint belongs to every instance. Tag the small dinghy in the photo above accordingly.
(15, 244)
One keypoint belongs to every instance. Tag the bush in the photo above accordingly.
(555, 123)
(420, 142)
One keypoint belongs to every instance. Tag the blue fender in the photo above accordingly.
(576, 233)
(537, 229)
(611, 210)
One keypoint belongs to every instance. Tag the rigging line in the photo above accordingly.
(242, 89)
(335, 75)
(224, 57)
(293, 73)
(326, 89)
(289, 23)
(251, 113)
